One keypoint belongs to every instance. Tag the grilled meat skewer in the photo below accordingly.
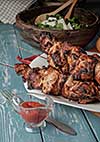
(50, 81)
(70, 72)
(70, 60)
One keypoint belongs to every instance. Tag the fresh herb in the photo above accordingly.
(57, 22)
(75, 23)
(58, 16)
(40, 25)
(59, 26)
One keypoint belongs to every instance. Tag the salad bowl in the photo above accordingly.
(78, 37)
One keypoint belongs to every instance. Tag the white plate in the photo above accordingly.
(39, 62)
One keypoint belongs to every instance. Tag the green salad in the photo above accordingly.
(57, 22)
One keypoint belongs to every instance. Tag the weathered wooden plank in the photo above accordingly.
(11, 125)
(6, 27)
(8, 53)
(94, 122)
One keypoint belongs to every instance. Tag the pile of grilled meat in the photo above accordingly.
(71, 73)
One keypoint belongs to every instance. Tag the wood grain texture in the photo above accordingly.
(94, 122)
(11, 125)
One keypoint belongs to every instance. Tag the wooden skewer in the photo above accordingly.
(11, 66)
(7, 65)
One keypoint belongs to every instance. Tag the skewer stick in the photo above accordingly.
(11, 66)
(7, 65)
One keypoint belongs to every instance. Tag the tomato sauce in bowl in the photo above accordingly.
(33, 112)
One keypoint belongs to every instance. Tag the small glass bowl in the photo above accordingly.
(34, 111)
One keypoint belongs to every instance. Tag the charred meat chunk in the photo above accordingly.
(82, 92)
(83, 68)
(52, 81)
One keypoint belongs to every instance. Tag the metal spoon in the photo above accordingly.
(61, 126)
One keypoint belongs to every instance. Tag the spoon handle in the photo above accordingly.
(61, 7)
(61, 126)
(67, 16)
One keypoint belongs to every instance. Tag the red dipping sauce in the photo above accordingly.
(33, 112)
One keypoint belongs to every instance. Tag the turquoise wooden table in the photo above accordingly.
(85, 123)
